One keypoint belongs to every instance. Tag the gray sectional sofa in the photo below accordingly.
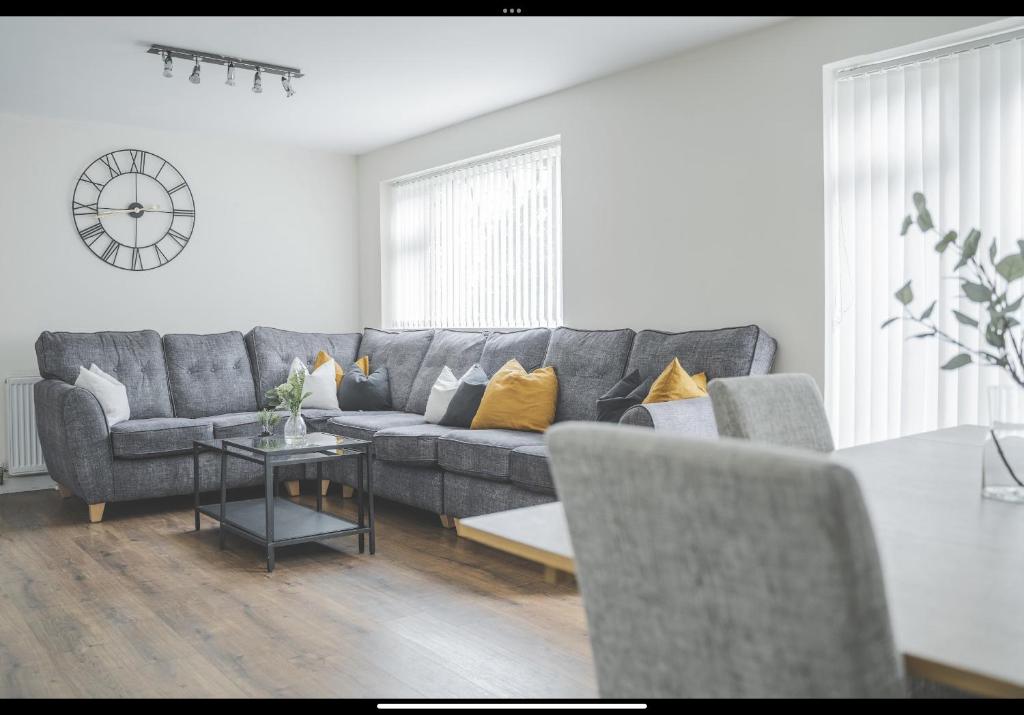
(187, 387)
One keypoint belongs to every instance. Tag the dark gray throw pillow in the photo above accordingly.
(362, 392)
(624, 394)
(466, 400)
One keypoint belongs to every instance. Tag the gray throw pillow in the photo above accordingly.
(362, 392)
(466, 400)
(623, 395)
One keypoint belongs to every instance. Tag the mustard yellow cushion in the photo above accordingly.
(702, 381)
(364, 364)
(674, 383)
(321, 358)
(515, 399)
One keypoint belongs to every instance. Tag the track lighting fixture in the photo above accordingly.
(233, 64)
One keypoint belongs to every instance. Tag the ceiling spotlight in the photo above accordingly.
(230, 81)
(286, 82)
(257, 83)
(168, 65)
(194, 77)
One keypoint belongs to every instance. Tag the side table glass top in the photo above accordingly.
(277, 446)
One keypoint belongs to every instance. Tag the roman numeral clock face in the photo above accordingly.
(134, 210)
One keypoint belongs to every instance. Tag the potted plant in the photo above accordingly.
(992, 282)
(291, 395)
(268, 419)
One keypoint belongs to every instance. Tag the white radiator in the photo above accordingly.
(24, 455)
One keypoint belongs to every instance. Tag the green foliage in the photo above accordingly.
(267, 419)
(985, 280)
(290, 394)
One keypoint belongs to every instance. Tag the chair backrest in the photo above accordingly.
(720, 568)
(784, 410)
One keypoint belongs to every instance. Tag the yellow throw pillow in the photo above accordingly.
(515, 399)
(321, 358)
(364, 364)
(702, 381)
(674, 383)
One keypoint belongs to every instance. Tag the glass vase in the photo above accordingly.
(294, 429)
(1002, 468)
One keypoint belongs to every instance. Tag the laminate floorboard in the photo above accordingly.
(141, 605)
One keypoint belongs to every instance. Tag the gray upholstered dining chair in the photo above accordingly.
(785, 410)
(721, 568)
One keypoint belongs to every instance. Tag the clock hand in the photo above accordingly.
(108, 212)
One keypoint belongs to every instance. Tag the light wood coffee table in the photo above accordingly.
(536, 533)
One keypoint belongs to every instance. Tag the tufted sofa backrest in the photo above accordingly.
(135, 358)
(209, 374)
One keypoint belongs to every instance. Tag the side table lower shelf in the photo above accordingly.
(293, 523)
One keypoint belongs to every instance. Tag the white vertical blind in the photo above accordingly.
(951, 127)
(476, 244)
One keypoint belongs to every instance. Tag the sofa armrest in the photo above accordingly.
(75, 439)
(691, 418)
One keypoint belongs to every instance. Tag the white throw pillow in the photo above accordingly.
(321, 382)
(112, 395)
(441, 394)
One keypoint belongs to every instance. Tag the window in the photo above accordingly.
(946, 122)
(477, 244)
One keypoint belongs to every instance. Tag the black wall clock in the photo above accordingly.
(134, 210)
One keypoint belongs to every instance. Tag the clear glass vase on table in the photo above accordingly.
(1002, 471)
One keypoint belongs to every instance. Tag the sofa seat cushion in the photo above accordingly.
(531, 470)
(157, 436)
(317, 417)
(364, 425)
(486, 453)
(235, 424)
(411, 443)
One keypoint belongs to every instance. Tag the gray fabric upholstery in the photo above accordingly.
(411, 443)
(417, 486)
(157, 436)
(727, 352)
(237, 424)
(465, 496)
(456, 349)
(209, 374)
(786, 410)
(401, 353)
(691, 418)
(526, 346)
(135, 359)
(363, 425)
(75, 440)
(740, 570)
(486, 452)
(530, 469)
(167, 476)
(316, 417)
(588, 363)
(272, 350)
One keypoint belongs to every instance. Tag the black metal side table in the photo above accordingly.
(273, 521)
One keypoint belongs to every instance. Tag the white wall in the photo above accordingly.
(266, 216)
(692, 187)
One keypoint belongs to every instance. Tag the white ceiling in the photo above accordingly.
(370, 81)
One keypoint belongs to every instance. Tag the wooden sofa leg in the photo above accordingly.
(324, 485)
(291, 487)
(96, 512)
(447, 522)
(347, 491)
(64, 491)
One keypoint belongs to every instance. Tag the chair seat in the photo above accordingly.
(485, 453)
(157, 436)
(411, 443)
(365, 424)
(531, 470)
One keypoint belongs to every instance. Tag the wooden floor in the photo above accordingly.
(141, 605)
